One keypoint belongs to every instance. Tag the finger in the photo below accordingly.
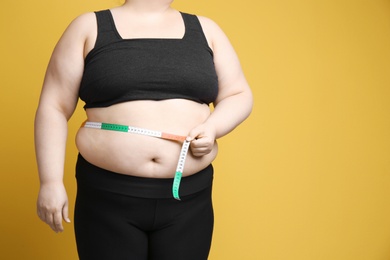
(200, 151)
(40, 215)
(201, 148)
(194, 134)
(57, 221)
(65, 213)
(202, 143)
(49, 220)
(41, 212)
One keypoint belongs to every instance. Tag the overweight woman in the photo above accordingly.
(147, 74)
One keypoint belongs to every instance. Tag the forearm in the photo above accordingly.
(50, 141)
(230, 112)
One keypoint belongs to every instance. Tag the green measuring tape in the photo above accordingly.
(152, 133)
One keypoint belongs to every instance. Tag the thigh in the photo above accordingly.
(103, 229)
(183, 228)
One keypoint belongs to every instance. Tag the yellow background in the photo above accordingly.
(305, 178)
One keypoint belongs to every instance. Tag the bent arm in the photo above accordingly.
(56, 105)
(234, 102)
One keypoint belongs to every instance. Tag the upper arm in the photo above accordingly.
(66, 66)
(231, 78)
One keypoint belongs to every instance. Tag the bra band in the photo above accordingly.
(152, 133)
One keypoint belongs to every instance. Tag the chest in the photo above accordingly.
(152, 68)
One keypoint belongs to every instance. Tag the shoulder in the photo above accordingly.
(80, 33)
(207, 22)
(208, 25)
(83, 23)
(212, 31)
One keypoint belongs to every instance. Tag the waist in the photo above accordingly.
(138, 155)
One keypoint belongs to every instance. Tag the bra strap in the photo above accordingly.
(194, 30)
(106, 33)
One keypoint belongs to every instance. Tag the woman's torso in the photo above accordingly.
(139, 155)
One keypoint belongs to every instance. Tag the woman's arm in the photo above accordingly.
(56, 105)
(234, 102)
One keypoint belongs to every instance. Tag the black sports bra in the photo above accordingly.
(119, 70)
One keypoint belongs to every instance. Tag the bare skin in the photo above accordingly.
(142, 155)
(122, 152)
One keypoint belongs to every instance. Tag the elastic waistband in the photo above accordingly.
(153, 188)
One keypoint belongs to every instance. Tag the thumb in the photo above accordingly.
(65, 213)
(195, 133)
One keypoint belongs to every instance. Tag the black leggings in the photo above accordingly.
(110, 225)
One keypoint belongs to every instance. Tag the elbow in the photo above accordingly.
(249, 102)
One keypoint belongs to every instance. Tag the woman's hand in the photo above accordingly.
(202, 139)
(52, 205)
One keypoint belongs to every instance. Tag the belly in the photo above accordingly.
(139, 155)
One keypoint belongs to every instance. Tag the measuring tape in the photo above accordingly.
(152, 133)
